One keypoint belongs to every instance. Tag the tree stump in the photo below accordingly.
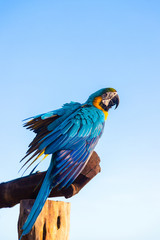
(53, 223)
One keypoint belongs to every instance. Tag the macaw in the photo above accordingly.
(70, 135)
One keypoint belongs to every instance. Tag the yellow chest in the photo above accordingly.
(96, 103)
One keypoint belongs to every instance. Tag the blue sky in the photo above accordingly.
(52, 52)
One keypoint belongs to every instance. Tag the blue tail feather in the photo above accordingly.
(40, 201)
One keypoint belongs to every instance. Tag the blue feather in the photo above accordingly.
(39, 202)
(65, 177)
(71, 176)
(66, 127)
(63, 160)
(62, 154)
(47, 115)
(50, 139)
(74, 175)
(56, 133)
(54, 146)
(70, 138)
(62, 168)
(73, 131)
(68, 110)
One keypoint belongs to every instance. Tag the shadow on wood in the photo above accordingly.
(13, 192)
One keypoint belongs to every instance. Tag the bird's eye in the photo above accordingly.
(104, 95)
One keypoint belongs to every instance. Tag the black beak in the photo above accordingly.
(114, 101)
(117, 100)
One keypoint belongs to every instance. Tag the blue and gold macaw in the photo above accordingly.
(70, 134)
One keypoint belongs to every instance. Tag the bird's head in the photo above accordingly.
(104, 99)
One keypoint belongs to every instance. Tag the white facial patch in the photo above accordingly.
(106, 97)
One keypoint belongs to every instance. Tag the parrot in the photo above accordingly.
(70, 135)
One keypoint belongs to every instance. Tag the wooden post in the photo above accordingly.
(53, 223)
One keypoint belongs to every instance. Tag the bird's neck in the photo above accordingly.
(96, 103)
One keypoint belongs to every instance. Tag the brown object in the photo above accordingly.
(14, 191)
(52, 223)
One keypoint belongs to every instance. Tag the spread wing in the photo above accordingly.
(71, 143)
(42, 125)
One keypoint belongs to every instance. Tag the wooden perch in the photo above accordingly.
(52, 223)
(14, 191)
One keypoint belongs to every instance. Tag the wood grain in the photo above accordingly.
(52, 223)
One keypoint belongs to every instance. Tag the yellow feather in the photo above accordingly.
(96, 103)
(40, 154)
(44, 157)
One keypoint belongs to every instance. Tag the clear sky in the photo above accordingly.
(52, 52)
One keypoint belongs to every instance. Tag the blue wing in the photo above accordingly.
(71, 143)
(78, 128)
(42, 125)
